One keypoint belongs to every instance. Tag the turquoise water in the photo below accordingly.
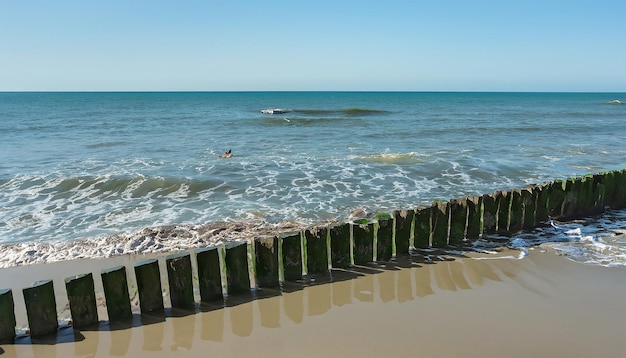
(80, 168)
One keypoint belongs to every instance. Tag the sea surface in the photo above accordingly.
(101, 174)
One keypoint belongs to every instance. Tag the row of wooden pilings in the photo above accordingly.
(289, 256)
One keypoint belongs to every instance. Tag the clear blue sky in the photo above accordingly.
(442, 45)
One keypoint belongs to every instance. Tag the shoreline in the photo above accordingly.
(541, 304)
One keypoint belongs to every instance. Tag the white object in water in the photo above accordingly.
(273, 111)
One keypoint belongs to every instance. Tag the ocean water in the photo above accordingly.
(100, 174)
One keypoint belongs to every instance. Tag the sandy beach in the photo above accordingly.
(472, 306)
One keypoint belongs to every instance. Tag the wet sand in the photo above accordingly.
(542, 305)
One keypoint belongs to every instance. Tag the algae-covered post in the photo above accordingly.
(209, 275)
(316, 250)
(7, 316)
(490, 213)
(237, 271)
(82, 299)
(503, 200)
(474, 217)
(458, 221)
(542, 192)
(529, 201)
(599, 190)
(620, 176)
(340, 245)
(115, 287)
(179, 277)
(556, 196)
(615, 189)
(404, 220)
(517, 211)
(363, 236)
(384, 234)
(148, 278)
(292, 255)
(440, 223)
(423, 227)
(266, 261)
(41, 308)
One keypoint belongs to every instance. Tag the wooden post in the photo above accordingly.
(115, 287)
(423, 226)
(440, 223)
(556, 197)
(148, 278)
(543, 193)
(571, 198)
(82, 299)
(529, 201)
(209, 275)
(41, 308)
(611, 189)
(599, 190)
(458, 221)
(592, 187)
(474, 217)
(340, 245)
(517, 211)
(317, 250)
(620, 191)
(237, 271)
(292, 255)
(363, 235)
(503, 199)
(384, 233)
(7, 316)
(403, 219)
(490, 213)
(179, 277)
(266, 260)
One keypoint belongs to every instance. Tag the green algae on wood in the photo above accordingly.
(363, 236)
(7, 316)
(517, 211)
(504, 201)
(404, 220)
(179, 276)
(340, 245)
(82, 300)
(458, 220)
(556, 197)
(41, 308)
(292, 255)
(237, 271)
(148, 278)
(266, 261)
(384, 233)
(440, 223)
(209, 275)
(490, 213)
(423, 226)
(316, 250)
(115, 286)
(474, 216)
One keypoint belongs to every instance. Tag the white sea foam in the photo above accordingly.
(167, 239)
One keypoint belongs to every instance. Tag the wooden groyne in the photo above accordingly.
(269, 261)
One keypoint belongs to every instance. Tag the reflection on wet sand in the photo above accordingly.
(376, 285)
(318, 298)
(212, 325)
(400, 281)
(270, 312)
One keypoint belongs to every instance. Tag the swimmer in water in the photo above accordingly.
(228, 154)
